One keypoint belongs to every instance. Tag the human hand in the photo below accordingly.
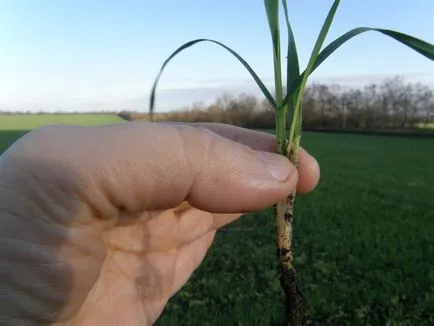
(102, 225)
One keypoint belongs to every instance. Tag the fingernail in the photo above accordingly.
(277, 165)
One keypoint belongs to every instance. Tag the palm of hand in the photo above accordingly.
(145, 262)
(118, 271)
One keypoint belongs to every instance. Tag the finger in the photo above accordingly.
(308, 172)
(257, 140)
(141, 166)
(308, 168)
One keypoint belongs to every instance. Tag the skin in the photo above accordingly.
(103, 225)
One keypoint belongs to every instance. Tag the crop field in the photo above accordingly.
(364, 244)
(426, 125)
(31, 121)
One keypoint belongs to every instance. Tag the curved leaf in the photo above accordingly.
(424, 48)
(193, 42)
(418, 45)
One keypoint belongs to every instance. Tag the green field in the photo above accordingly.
(364, 243)
(426, 125)
(31, 121)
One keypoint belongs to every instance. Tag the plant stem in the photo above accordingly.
(284, 213)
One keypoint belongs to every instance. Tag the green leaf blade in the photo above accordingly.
(422, 47)
(293, 66)
(183, 47)
(296, 121)
(272, 10)
(418, 45)
(319, 43)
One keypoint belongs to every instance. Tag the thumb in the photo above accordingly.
(141, 166)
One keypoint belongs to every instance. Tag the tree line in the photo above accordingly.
(392, 103)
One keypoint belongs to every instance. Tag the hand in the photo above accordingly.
(102, 225)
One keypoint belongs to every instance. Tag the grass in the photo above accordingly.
(31, 121)
(363, 243)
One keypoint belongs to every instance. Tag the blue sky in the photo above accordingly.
(86, 55)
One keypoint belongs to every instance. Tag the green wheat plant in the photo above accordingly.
(287, 103)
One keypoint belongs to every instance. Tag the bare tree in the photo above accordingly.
(390, 104)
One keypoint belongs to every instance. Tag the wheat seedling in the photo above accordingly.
(288, 113)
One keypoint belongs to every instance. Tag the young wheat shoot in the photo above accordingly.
(288, 117)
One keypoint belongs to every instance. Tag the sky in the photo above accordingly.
(82, 55)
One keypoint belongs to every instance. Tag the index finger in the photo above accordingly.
(308, 167)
